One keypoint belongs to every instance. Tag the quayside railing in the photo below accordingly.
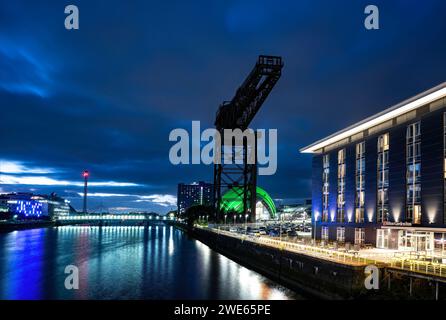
(314, 251)
(419, 266)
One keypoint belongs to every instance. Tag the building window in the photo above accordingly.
(359, 236)
(382, 238)
(444, 162)
(413, 173)
(325, 186)
(324, 233)
(360, 182)
(383, 179)
(340, 234)
(341, 186)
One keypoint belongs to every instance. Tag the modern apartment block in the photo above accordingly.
(382, 180)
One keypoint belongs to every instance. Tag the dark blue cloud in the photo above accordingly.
(105, 97)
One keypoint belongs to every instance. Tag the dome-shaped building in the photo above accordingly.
(232, 202)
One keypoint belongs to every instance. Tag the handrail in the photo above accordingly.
(314, 251)
(425, 267)
(402, 263)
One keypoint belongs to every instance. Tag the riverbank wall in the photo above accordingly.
(24, 225)
(314, 277)
(318, 278)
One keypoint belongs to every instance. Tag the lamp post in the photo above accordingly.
(315, 225)
(235, 216)
(85, 174)
(225, 218)
(280, 228)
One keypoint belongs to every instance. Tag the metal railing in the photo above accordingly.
(425, 267)
(351, 258)
(402, 262)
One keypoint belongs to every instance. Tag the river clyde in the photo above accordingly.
(154, 262)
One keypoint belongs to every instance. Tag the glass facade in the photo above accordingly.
(325, 187)
(444, 166)
(340, 217)
(340, 234)
(360, 182)
(382, 207)
(413, 176)
(359, 236)
(324, 233)
(394, 198)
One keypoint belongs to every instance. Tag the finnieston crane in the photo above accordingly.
(238, 114)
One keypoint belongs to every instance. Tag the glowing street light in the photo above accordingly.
(85, 174)
(225, 217)
(316, 215)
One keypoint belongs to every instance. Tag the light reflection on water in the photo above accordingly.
(155, 262)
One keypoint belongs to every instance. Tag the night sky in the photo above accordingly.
(106, 96)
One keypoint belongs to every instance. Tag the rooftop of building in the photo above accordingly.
(31, 196)
(420, 100)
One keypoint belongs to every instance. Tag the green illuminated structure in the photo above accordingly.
(232, 201)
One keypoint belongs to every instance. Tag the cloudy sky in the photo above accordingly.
(106, 96)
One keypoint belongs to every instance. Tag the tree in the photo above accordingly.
(193, 213)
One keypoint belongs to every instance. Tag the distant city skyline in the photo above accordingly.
(105, 97)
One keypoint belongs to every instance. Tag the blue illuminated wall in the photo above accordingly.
(29, 209)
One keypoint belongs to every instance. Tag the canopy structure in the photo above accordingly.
(232, 201)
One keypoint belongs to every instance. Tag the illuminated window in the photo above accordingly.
(382, 238)
(341, 186)
(324, 233)
(383, 143)
(325, 186)
(360, 182)
(383, 178)
(413, 173)
(340, 234)
(359, 236)
(444, 162)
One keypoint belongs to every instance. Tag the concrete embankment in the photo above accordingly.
(317, 277)
(314, 277)
(23, 225)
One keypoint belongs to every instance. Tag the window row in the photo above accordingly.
(340, 235)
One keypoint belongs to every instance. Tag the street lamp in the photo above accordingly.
(235, 216)
(225, 218)
(315, 225)
(280, 227)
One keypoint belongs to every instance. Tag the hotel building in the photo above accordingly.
(196, 193)
(382, 180)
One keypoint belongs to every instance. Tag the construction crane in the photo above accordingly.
(238, 114)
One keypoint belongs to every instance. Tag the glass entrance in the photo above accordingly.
(415, 240)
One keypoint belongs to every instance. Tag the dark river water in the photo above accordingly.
(123, 263)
